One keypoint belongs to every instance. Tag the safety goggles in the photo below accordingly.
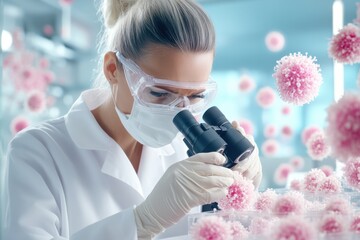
(164, 94)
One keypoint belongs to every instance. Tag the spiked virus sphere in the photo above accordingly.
(343, 131)
(18, 124)
(298, 78)
(211, 228)
(275, 41)
(270, 147)
(352, 173)
(246, 83)
(293, 228)
(266, 97)
(345, 46)
(317, 147)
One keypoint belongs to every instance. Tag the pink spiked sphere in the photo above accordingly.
(343, 131)
(298, 78)
(282, 173)
(275, 41)
(240, 194)
(352, 173)
(293, 228)
(18, 124)
(345, 46)
(312, 180)
(317, 147)
(211, 228)
(266, 97)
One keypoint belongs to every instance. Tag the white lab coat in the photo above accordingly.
(67, 179)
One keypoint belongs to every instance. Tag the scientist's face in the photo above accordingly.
(162, 63)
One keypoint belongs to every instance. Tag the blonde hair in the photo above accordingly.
(131, 25)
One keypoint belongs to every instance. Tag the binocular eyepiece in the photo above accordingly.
(215, 135)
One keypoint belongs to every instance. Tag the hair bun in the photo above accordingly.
(113, 9)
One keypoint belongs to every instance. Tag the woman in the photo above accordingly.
(113, 168)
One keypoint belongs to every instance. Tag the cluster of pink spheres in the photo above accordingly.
(343, 130)
(317, 146)
(345, 46)
(266, 97)
(246, 83)
(275, 41)
(298, 78)
(290, 215)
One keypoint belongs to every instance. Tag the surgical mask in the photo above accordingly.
(153, 129)
(156, 104)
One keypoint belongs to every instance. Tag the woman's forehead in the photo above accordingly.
(176, 65)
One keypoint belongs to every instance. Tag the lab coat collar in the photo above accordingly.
(87, 134)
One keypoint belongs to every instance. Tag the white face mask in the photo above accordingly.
(150, 128)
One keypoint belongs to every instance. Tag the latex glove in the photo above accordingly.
(186, 184)
(251, 167)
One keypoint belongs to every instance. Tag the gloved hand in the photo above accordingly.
(186, 184)
(251, 167)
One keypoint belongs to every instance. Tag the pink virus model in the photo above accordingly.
(307, 132)
(36, 101)
(275, 41)
(246, 83)
(352, 173)
(292, 228)
(338, 205)
(317, 147)
(247, 125)
(266, 97)
(211, 228)
(282, 173)
(270, 131)
(296, 185)
(287, 131)
(259, 226)
(238, 231)
(286, 110)
(265, 200)
(332, 223)
(343, 131)
(298, 78)
(240, 194)
(312, 180)
(292, 202)
(328, 170)
(329, 185)
(270, 147)
(18, 124)
(355, 224)
(345, 46)
(297, 162)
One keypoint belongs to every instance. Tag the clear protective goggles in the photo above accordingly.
(164, 94)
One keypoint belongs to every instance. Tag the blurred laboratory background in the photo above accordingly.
(49, 56)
